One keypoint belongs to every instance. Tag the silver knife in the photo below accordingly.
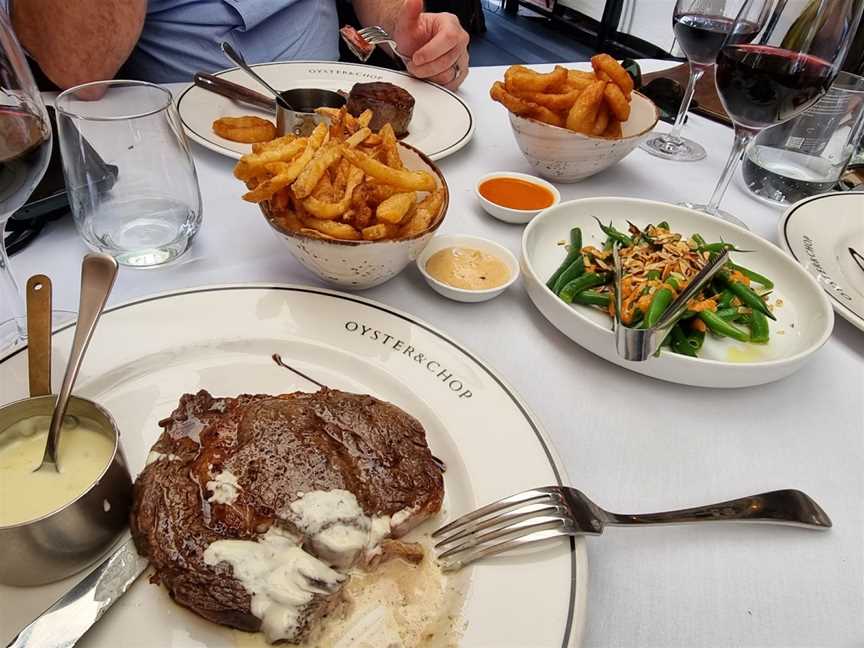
(74, 613)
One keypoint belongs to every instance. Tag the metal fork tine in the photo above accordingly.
(524, 512)
(511, 532)
(501, 547)
(501, 505)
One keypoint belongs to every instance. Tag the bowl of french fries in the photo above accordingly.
(354, 207)
(572, 124)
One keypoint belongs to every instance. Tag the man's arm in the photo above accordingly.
(79, 41)
(378, 12)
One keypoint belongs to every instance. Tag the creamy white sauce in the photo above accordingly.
(83, 455)
(224, 487)
(281, 577)
(336, 528)
(154, 456)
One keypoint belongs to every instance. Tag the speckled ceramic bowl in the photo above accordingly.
(560, 155)
(356, 265)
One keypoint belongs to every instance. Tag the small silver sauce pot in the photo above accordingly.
(69, 539)
(303, 119)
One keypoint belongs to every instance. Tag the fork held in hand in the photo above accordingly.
(376, 35)
(553, 511)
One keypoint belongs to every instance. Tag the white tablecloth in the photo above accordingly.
(632, 443)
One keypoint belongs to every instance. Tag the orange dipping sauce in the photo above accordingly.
(515, 193)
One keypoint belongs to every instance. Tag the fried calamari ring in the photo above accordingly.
(247, 130)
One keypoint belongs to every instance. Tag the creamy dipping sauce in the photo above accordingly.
(468, 268)
(25, 495)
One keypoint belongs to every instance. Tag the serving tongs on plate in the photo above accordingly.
(639, 344)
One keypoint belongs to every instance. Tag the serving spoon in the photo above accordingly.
(235, 57)
(98, 272)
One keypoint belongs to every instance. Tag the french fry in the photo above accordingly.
(252, 164)
(524, 108)
(424, 215)
(613, 68)
(330, 210)
(332, 228)
(287, 220)
(310, 175)
(396, 207)
(405, 180)
(613, 130)
(391, 147)
(519, 78)
(562, 102)
(617, 102)
(379, 231)
(601, 121)
(281, 200)
(584, 112)
(364, 118)
(358, 137)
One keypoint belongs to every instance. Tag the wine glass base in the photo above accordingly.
(722, 215)
(678, 150)
(10, 330)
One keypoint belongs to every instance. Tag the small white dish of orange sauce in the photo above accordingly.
(515, 197)
(467, 268)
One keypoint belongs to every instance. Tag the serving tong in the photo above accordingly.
(639, 344)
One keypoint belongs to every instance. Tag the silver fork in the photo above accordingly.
(377, 35)
(543, 513)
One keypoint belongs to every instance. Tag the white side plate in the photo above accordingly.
(804, 322)
(825, 234)
(442, 123)
(147, 353)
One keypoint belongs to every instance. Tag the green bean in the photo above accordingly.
(726, 298)
(746, 295)
(678, 342)
(695, 339)
(698, 240)
(752, 276)
(659, 303)
(719, 247)
(573, 253)
(592, 298)
(615, 235)
(722, 327)
(588, 280)
(729, 314)
(662, 225)
(758, 324)
(576, 269)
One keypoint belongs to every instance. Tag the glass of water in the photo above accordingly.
(807, 155)
(130, 177)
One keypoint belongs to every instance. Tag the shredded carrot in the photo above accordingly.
(699, 325)
(705, 304)
(737, 277)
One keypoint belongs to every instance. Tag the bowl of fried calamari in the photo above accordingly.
(355, 207)
(571, 124)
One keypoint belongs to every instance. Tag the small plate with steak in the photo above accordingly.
(270, 507)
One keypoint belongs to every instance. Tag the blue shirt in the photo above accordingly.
(181, 37)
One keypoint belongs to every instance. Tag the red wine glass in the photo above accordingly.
(700, 29)
(25, 147)
(783, 71)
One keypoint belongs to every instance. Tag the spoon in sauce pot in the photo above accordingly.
(98, 272)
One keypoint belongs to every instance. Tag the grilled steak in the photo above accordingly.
(237, 468)
(388, 102)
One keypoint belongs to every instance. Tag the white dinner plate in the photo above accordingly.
(804, 320)
(441, 125)
(146, 353)
(825, 234)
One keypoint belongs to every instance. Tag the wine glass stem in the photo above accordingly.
(696, 72)
(8, 288)
(742, 138)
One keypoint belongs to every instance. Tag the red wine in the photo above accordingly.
(761, 85)
(701, 37)
(25, 145)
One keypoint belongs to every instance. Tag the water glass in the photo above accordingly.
(130, 176)
(807, 155)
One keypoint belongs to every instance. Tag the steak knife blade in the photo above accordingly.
(74, 613)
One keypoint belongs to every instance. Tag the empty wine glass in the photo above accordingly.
(25, 148)
(788, 67)
(701, 27)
